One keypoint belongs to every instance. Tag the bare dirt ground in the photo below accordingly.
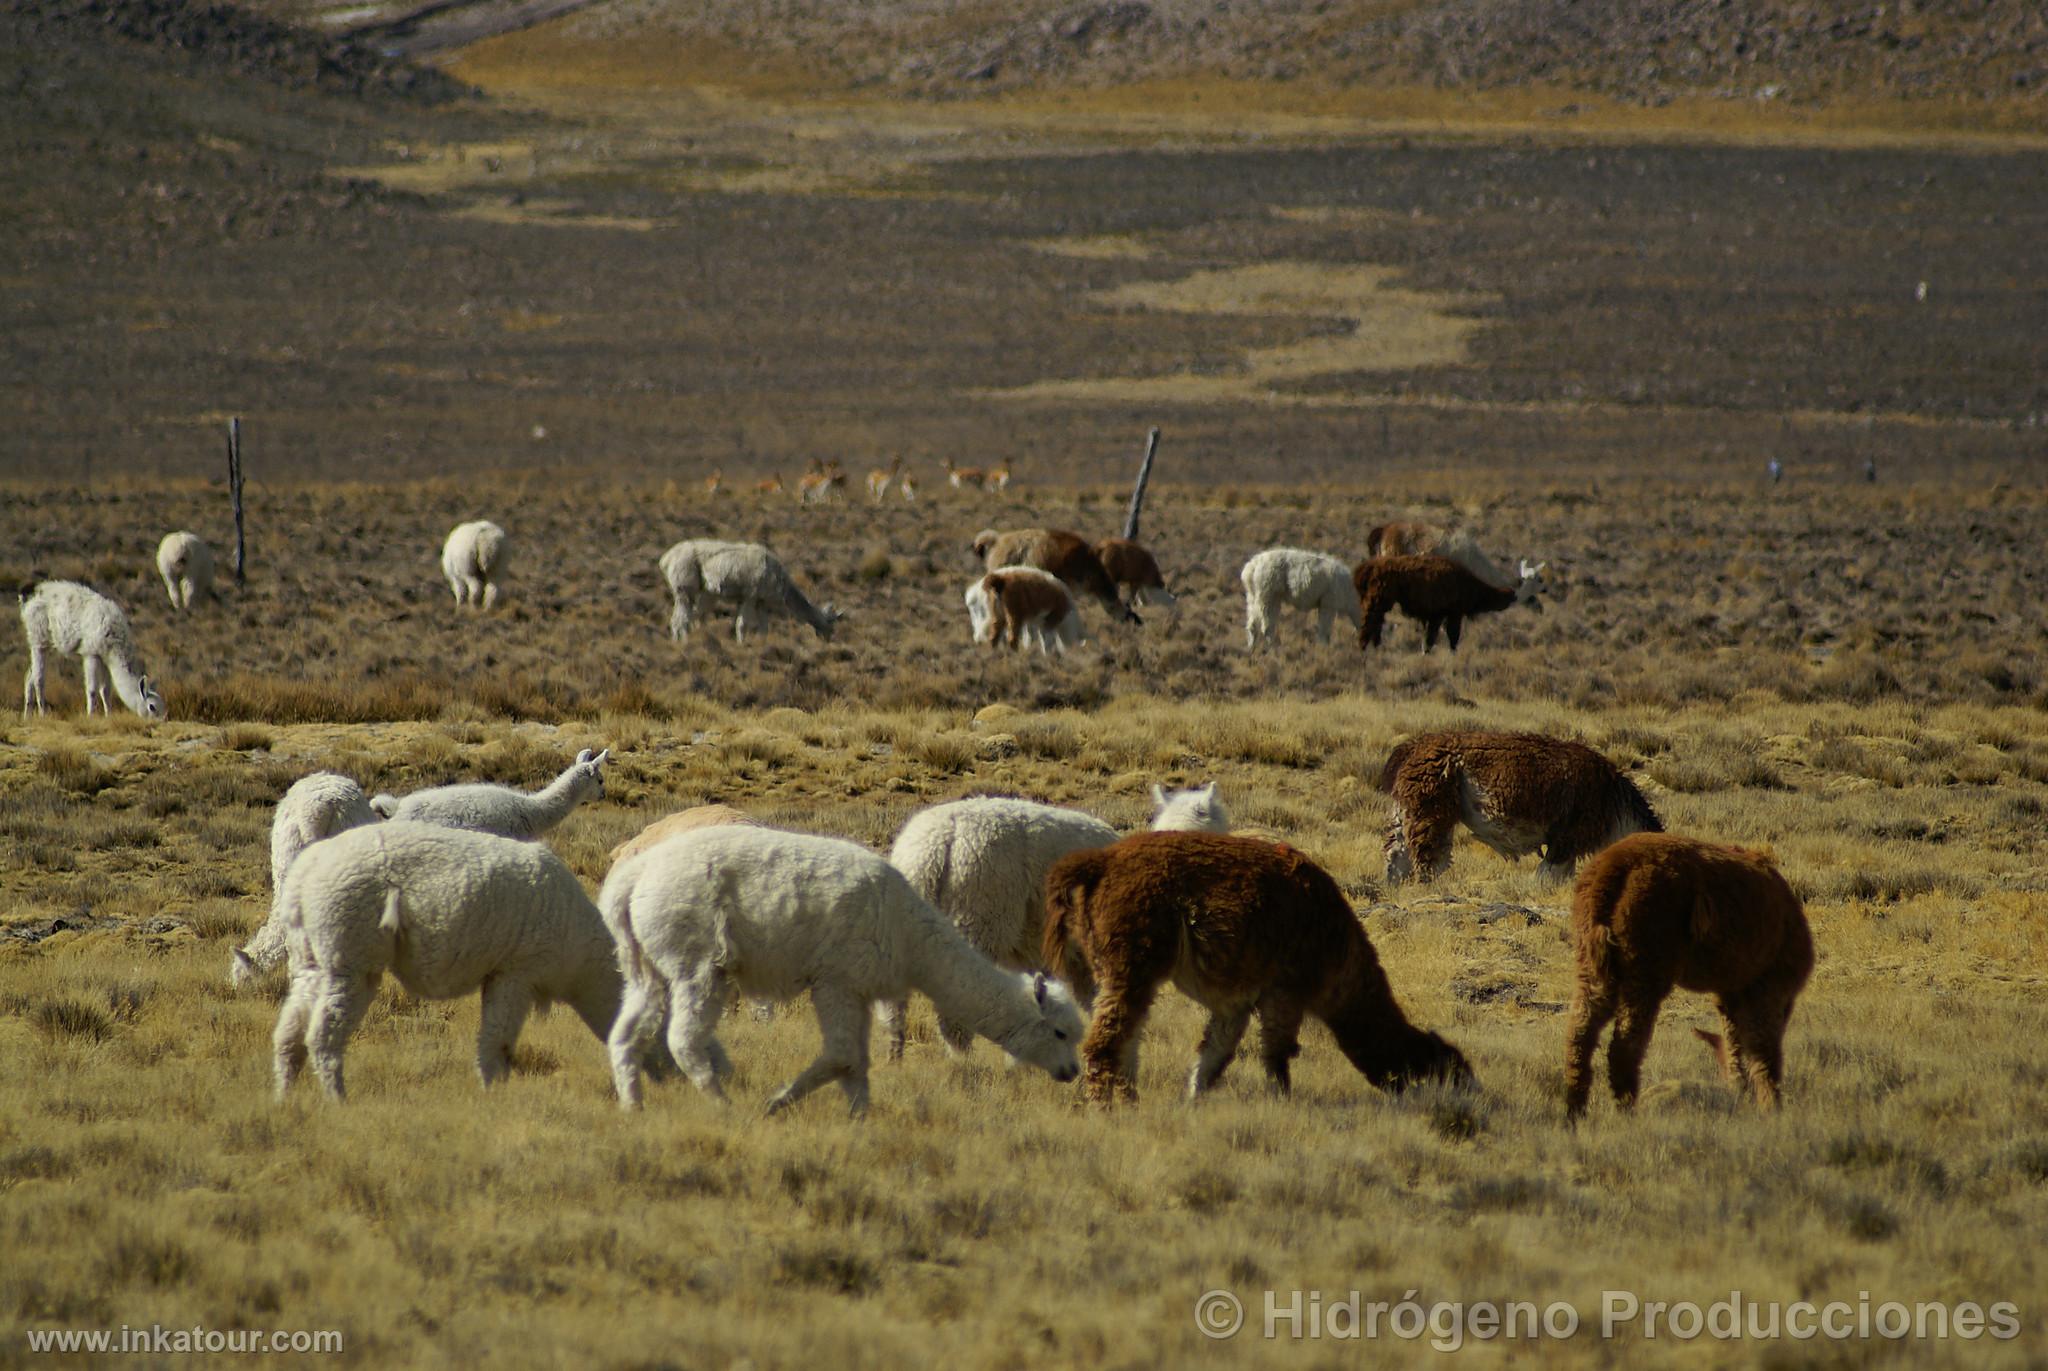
(649, 258)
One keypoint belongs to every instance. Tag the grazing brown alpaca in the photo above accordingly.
(1131, 566)
(1653, 913)
(1518, 793)
(1244, 927)
(1066, 555)
(1016, 603)
(1436, 592)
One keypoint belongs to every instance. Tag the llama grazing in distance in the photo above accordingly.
(1517, 792)
(1298, 579)
(746, 575)
(472, 559)
(186, 564)
(1016, 603)
(1655, 913)
(1436, 592)
(315, 808)
(982, 863)
(78, 621)
(486, 808)
(1131, 566)
(1244, 927)
(448, 912)
(1411, 539)
(1064, 554)
(771, 915)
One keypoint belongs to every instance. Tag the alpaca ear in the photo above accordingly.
(583, 757)
(1208, 792)
(1038, 988)
(601, 758)
(1158, 793)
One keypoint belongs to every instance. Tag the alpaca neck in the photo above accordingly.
(127, 680)
(552, 805)
(1368, 1025)
(967, 988)
(800, 606)
(1495, 597)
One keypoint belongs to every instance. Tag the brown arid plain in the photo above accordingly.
(1581, 335)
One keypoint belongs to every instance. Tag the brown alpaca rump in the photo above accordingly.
(1654, 913)
(1244, 927)
(1434, 591)
(1517, 792)
(1021, 600)
(1066, 555)
(1129, 564)
(682, 821)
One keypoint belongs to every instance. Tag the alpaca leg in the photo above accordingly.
(1429, 632)
(694, 1007)
(32, 686)
(1279, 1040)
(1400, 859)
(1591, 1009)
(958, 1038)
(288, 1043)
(679, 619)
(95, 684)
(490, 594)
(1224, 1031)
(339, 1004)
(1109, 1052)
(1452, 627)
(1633, 1025)
(506, 1005)
(1756, 1044)
(843, 1057)
(893, 1014)
(1430, 824)
(642, 1012)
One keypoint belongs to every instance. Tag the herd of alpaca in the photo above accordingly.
(1033, 926)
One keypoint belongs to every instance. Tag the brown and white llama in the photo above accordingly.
(1517, 792)
(1132, 567)
(1014, 603)
(1654, 913)
(1436, 592)
(1242, 926)
(1064, 554)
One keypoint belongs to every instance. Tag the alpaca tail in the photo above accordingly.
(393, 921)
(386, 806)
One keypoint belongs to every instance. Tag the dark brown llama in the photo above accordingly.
(1437, 592)
(1518, 792)
(1653, 913)
(1066, 555)
(1132, 567)
(1244, 927)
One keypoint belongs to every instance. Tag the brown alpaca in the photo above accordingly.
(1653, 913)
(1244, 927)
(1015, 602)
(1435, 591)
(682, 821)
(1066, 555)
(1131, 566)
(1518, 793)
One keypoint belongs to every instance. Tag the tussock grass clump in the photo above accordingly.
(71, 769)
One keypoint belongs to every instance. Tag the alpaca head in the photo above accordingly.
(1428, 1057)
(1531, 585)
(828, 620)
(1051, 1039)
(148, 703)
(1189, 811)
(384, 805)
(589, 777)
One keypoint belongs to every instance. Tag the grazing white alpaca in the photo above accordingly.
(770, 915)
(1300, 580)
(316, 807)
(472, 559)
(186, 564)
(499, 809)
(744, 574)
(66, 617)
(982, 863)
(448, 912)
(1024, 604)
(1189, 811)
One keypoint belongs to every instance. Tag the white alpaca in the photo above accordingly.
(982, 862)
(66, 617)
(472, 559)
(186, 564)
(499, 809)
(1300, 580)
(1034, 607)
(1189, 811)
(447, 912)
(770, 915)
(744, 574)
(316, 807)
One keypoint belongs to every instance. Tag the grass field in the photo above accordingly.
(564, 313)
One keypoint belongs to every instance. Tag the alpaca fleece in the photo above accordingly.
(746, 575)
(682, 821)
(1654, 913)
(1016, 603)
(1297, 579)
(1131, 566)
(1408, 539)
(487, 808)
(1517, 792)
(472, 559)
(66, 617)
(447, 912)
(186, 564)
(315, 808)
(1243, 927)
(771, 915)
(1435, 591)
(1066, 555)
